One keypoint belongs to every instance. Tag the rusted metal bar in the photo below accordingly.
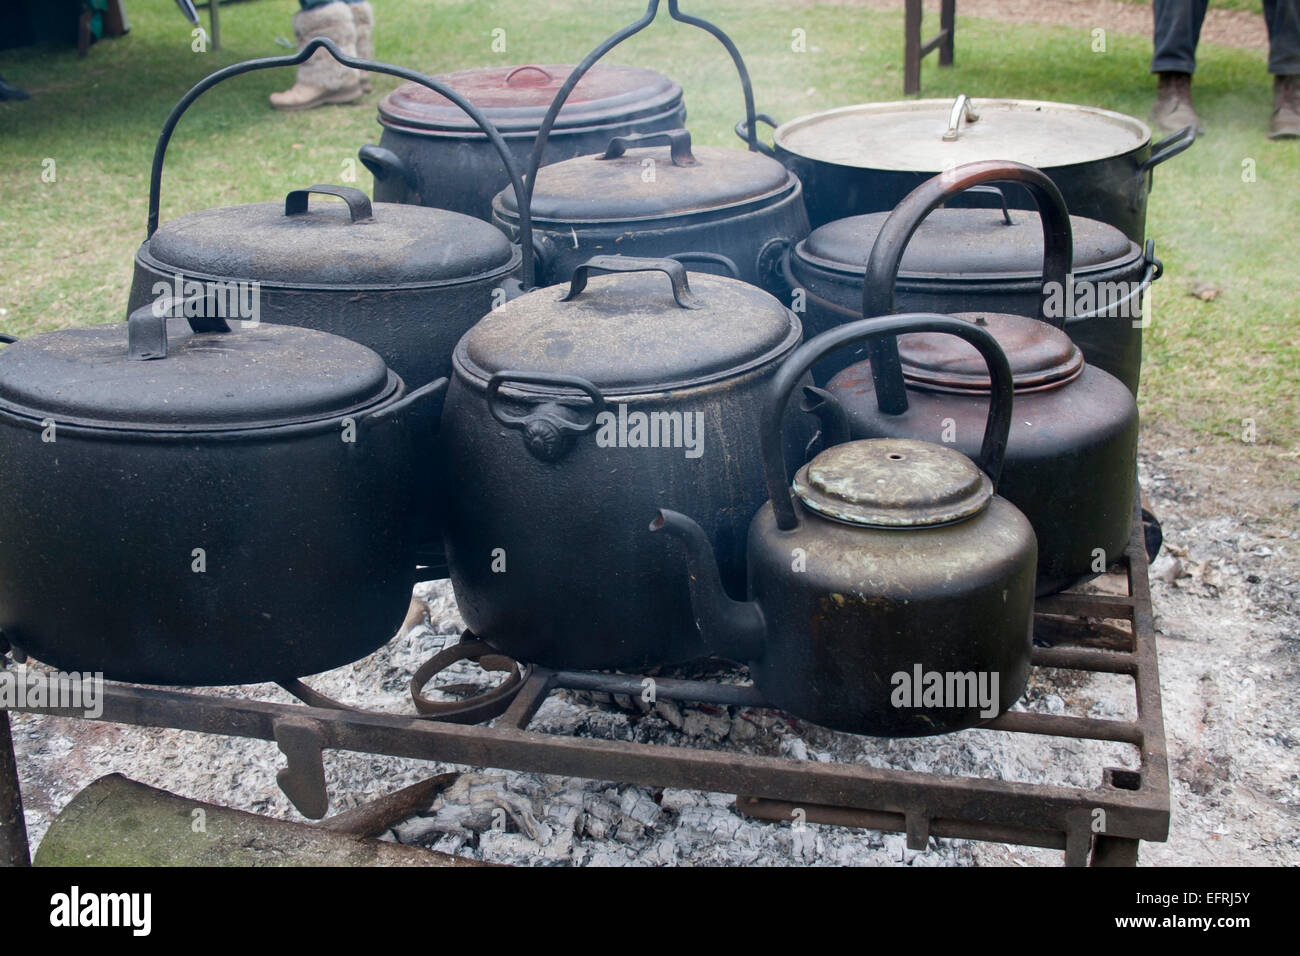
(1114, 606)
(14, 850)
(701, 692)
(531, 696)
(1062, 725)
(1084, 659)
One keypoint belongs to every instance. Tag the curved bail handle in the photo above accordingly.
(962, 104)
(1167, 148)
(679, 141)
(546, 75)
(359, 208)
(522, 195)
(547, 429)
(579, 71)
(672, 268)
(745, 130)
(146, 327)
(898, 229)
(996, 427)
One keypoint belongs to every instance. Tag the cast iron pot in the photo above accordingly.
(223, 507)
(1071, 460)
(905, 564)
(430, 155)
(717, 208)
(866, 158)
(549, 482)
(971, 260)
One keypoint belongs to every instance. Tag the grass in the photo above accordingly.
(67, 245)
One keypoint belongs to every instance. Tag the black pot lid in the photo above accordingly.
(967, 244)
(625, 333)
(908, 135)
(1041, 356)
(265, 375)
(399, 245)
(591, 189)
(893, 483)
(516, 98)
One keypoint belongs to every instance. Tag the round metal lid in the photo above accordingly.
(893, 483)
(265, 375)
(399, 245)
(515, 98)
(592, 189)
(908, 135)
(1041, 356)
(963, 244)
(626, 333)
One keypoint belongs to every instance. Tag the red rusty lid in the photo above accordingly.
(516, 98)
(1041, 356)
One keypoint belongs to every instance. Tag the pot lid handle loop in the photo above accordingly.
(962, 104)
(547, 429)
(675, 271)
(999, 195)
(996, 427)
(546, 77)
(679, 141)
(899, 227)
(358, 202)
(146, 327)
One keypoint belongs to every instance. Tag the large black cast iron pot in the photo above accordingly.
(1071, 460)
(576, 410)
(655, 195)
(431, 155)
(866, 158)
(223, 506)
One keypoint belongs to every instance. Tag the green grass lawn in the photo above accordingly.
(67, 245)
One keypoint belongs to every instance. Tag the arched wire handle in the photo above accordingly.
(996, 428)
(359, 208)
(146, 327)
(8, 339)
(712, 258)
(745, 130)
(522, 196)
(678, 141)
(527, 66)
(579, 71)
(672, 268)
(898, 228)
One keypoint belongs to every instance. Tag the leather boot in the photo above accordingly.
(1286, 108)
(1173, 107)
(323, 79)
(363, 18)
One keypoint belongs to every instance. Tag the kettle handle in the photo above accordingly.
(672, 268)
(902, 223)
(146, 327)
(677, 140)
(996, 428)
(359, 208)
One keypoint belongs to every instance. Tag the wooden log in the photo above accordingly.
(119, 822)
(373, 818)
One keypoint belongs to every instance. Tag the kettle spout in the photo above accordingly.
(733, 629)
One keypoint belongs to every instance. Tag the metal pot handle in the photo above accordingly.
(146, 327)
(675, 271)
(962, 104)
(528, 66)
(522, 196)
(679, 141)
(359, 208)
(8, 339)
(745, 130)
(715, 258)
(897, 230)
(547, 430)
(1167, 148)
(1153, 270)
(996, 428)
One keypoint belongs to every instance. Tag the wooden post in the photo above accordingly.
(948, 28)
(912, 47)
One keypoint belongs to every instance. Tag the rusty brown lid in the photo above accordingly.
(1041, 356)
(893, 483)
(646, 183)
(515, 98)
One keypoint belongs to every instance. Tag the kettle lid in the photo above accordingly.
(1042, 356)
(893, 483)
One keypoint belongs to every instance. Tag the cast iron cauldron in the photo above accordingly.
(866, 158)
(892, 560)
(968, 260)
(404, 280)
(1071, 461)
(429, 154)
(574, 411)
(221, 507)
(715, 208)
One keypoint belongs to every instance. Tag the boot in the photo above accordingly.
(363, 18)
(1286, 108)
(1173, 107)
(323, 79)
